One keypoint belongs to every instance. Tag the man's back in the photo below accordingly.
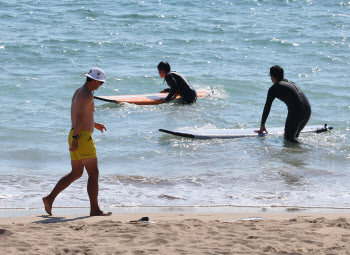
(290, 94)
(82, 110)
(182, 86)
(178, 84)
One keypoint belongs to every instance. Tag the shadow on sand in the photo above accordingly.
(52, 219)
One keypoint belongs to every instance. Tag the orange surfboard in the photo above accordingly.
(147, 99)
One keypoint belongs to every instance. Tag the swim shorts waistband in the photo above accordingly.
(82, 131)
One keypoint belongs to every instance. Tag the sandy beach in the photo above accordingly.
(178, 233)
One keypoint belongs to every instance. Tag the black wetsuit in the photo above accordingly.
(299, 109)
(178, 84)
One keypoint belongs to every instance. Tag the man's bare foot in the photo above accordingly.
(48, 206)
(100, 213)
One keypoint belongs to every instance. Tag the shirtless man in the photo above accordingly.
(299, 109)
(82, 148)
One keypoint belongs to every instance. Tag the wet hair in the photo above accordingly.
(164, 66)
(277, 72)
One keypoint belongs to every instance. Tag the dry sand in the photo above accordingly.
(178, 233)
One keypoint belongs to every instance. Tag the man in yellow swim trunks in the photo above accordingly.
(81, 144)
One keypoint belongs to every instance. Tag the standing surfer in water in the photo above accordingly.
(299, 109)
(177, 83)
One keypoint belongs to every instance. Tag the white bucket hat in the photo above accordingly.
(97, 74)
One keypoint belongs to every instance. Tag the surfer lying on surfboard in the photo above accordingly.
(177, 83)
(299, 109)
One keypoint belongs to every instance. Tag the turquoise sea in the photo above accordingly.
(228, 46)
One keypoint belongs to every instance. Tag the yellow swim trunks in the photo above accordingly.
(86, 146)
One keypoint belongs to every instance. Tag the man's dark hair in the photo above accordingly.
(164, 66)
(88, 79)
(277, 72)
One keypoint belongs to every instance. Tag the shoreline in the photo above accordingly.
(24, 212)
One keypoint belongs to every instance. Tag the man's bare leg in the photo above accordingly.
(64, 182)
(92, 186)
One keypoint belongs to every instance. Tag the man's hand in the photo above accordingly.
(74, 146)
(261, 130)
(165, 91)
(100, 127)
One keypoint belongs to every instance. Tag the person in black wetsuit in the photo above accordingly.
(299, 109)
(177, 83)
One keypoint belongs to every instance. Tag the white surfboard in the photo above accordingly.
(238, 133)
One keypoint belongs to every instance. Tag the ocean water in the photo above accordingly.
(228, 46)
